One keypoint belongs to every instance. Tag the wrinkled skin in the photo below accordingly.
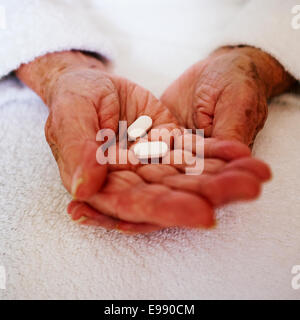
(226, 94)
(82, 98)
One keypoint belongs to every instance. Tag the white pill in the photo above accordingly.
(153, 149)
(139, 127)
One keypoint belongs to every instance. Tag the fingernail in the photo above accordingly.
(75, 185)
(128, 233)
(118, 228)
(81, 219)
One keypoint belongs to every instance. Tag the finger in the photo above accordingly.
(139, 202)
(261, 170)
(154, 173)
(84, 214)
(213, 165)
(218, 189)
(134, 228)
(212, 147)
(184, 161)
(226, 150)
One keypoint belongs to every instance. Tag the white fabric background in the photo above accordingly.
(249, 254)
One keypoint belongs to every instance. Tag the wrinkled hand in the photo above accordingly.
(226, 94)
(83, 98)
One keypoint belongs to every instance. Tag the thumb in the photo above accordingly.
(71, 133)
(88, 176)
(239, 114)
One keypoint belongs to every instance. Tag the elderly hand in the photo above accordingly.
(226, 94)
(83, 98)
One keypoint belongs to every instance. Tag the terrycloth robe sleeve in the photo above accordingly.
(271, 25)
(32, 28)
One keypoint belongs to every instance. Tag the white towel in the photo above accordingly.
(250, 254)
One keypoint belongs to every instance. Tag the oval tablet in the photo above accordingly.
(139, 127)
(153, 149)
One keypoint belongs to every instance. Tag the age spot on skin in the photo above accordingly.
(248, 113)
(254, 72)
